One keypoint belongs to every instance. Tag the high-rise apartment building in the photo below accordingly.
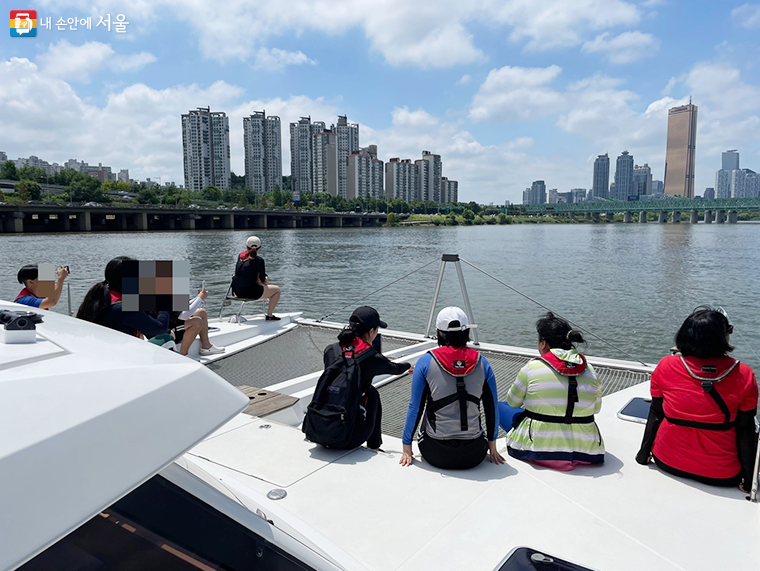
(709, 194)
(536, 194)
(723, 183)
(364, 176)
(601, 183)
(123, 175)
(348, 141)
(658, 187)
(624, 177)
(552, 196)
(206, 149)
(324, 161)
(449, 191)
(262, 140)
(730, 160)
(429, 171)
(301, 134)
(401, 180)
(579, 194)
(681, 149)
(3, 157)
(744, 184)
(642, 180)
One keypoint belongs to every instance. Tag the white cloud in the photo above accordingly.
(428, 35)
(74, 63)
(672, 82)
(464, 80)
(78, 63)
(276, 59)
(558, 23)
(624, 48)
(516, 93)
(747, 16)
(131, 63)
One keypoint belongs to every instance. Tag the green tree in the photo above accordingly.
(8, 171)
(84, 188)
(392, 219)
(32, 173)
(501, 218)
(211, 193)
(451, 219)
(27, 190)
(147, 196)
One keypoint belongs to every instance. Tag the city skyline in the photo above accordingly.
(503, 93)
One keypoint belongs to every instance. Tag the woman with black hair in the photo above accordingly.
(448, 386)
(356, 340)
(560, 394)
(701, 422)
(103, 305)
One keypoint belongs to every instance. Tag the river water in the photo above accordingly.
(630, 284)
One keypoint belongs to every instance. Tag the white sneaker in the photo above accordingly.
(213, 350)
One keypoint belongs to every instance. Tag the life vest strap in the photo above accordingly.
(560, 419)
(723, 426)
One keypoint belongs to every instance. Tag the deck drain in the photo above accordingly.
(277, 494)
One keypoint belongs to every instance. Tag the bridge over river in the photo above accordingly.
(81, 218)
(719, 210)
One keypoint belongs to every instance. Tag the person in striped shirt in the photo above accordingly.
(559, 393)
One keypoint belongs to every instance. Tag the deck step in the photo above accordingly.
(264, 402)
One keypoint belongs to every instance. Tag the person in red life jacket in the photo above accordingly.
(251, 280)
(354, 340)
(103, 305)
(448, 386)
(27, 276)
(701, 423)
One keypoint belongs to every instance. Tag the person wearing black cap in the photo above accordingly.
(354, 339)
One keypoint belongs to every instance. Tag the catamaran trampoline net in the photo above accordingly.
(299, 352)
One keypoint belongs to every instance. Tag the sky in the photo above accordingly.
(506, 91)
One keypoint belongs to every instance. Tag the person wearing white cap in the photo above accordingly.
(251, 280)
(448, 387)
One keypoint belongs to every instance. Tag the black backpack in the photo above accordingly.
(333, 411)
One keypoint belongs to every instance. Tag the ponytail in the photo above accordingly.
(348, 334)
(557, 332)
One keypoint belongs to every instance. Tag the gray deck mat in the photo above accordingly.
(299, 352)
(295, 353)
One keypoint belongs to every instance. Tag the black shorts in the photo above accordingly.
(453, 454)
(253, 292)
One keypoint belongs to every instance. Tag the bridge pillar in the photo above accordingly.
(15, 223)
(170, 223)
(720, 216)
(141, 221)
(609, 217)
(121, 221)
(587, 216)
(663, 218)
(642, 217)
(733, 216)
(188, 222)
(708, 217)
(694, 217)
(627, 218)
(228, 221)
(317, 222)
(83, 222)
(677, 217)
(260, 221)
(596, 216)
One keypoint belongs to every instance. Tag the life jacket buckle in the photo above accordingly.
(707, 386)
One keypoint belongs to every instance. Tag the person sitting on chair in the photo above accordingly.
(194, 323)
(251, 280)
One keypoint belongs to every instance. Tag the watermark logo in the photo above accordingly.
(23, 23)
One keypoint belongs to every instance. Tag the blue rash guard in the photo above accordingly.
(419, 384)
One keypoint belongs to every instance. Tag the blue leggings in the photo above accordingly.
(507, 415)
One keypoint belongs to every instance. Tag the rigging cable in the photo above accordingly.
(538, 303)
(377, 290)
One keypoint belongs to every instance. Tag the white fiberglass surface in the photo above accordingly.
(615, 517)
(82, 428)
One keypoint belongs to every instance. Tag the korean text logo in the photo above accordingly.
(23, 23)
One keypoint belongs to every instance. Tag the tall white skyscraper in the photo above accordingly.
(642, 180)
(324, 161)
(262, 140)
(401, 180)
(348, 142)
(449, 191)
(601, 184)
(429, 172)
(301, 135)
(206, 149)
(364, 175)
(723, 184)
(624, 177)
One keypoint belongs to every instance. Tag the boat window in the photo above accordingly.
(527, 559)
(160, 526)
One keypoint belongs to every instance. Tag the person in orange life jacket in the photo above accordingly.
(251, 280)
(701, 423)
(354, 339)
(103, 305)
(27, 276)
(448, 386)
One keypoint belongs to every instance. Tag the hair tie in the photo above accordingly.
(567, 337)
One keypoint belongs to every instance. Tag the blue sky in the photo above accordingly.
(507, 91)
